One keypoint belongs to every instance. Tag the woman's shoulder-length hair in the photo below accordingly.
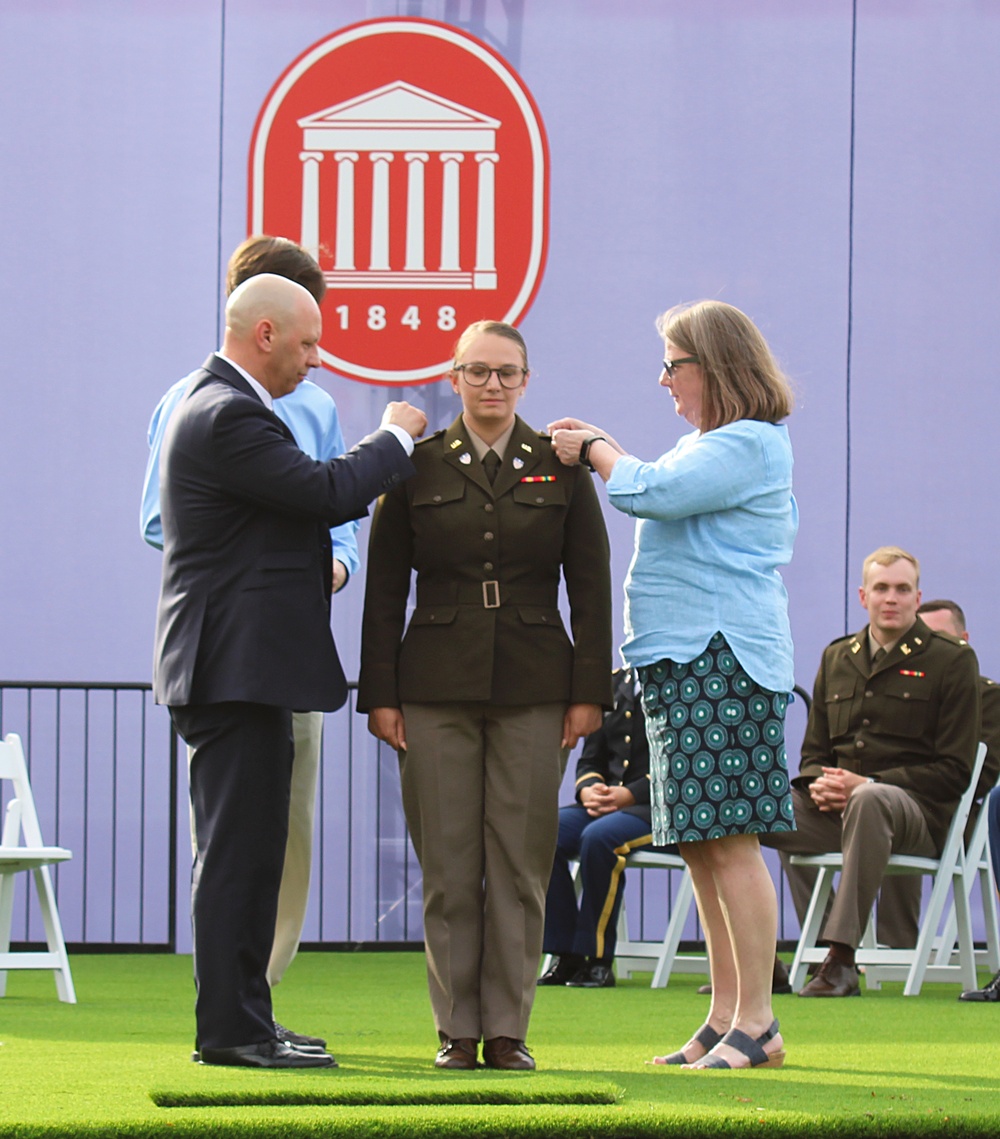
(742, 377)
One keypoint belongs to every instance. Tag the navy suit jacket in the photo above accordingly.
(244, 611)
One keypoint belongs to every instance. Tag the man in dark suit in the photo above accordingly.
(243, 634)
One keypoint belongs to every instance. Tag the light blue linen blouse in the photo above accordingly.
(716, 517)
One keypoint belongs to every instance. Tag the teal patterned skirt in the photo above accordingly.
(717, 749)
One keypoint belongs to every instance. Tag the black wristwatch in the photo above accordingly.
(585, 450)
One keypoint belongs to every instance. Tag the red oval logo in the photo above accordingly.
(412, 162)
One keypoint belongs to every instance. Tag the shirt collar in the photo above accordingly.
(264, 395)
(481, 447)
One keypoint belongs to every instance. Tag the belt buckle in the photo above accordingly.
(491, 595)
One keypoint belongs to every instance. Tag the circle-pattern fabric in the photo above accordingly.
(717, 749)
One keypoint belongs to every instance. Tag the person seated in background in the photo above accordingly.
(948, 617)
(609, 820)
(888, 751)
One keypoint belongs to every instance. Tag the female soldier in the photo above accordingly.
(485, 694)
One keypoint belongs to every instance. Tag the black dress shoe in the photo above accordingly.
(458, 1055)
(299, 1042)
(593, 975)
(267, 1054)
(562, 970)
(507, 1054)
(990, 992)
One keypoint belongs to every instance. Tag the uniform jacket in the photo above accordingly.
(244, 601)
(617, 754)
(487, 625)
(914, 721)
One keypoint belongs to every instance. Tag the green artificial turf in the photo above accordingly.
(883, 1065)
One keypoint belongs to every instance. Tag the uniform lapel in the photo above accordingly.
(915, 642)
(460, 454)
(857, 652)
(524, 446)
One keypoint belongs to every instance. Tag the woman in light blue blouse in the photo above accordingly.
(706, 624)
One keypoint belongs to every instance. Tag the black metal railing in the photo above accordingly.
(110, 782)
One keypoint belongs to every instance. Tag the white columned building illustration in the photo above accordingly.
(401, 122)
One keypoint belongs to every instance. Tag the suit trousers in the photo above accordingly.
(240, 778)
(293, 897)
(481, 792)
(880, 820)
(601, 843)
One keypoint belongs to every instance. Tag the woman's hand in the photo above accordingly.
(567, 443)
(570, 424)
(580, 720)
(568, 436)
(387, 724)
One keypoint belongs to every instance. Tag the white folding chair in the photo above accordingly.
(978, 867)
(22, 848)
(635, 956)
(910, 965)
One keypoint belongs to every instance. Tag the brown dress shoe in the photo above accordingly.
(458, 1055)
(833, 979)
(508, 1054)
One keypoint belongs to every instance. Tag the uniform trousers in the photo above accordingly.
(480, 792)
(879, 820)
(240, 777)
(589, 928)
(293, 897)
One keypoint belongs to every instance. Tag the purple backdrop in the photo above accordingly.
(831, 176)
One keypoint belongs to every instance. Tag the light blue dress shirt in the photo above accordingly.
(309, 413)
(716, 517)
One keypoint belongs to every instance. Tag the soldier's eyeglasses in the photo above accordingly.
(670, 366)
(478, 375)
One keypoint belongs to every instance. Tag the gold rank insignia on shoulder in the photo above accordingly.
(856, 647)
(526, 447)
(905, 650)
(917, 641)
(456, 443)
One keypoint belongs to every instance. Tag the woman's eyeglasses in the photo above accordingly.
(478, 375)
(670, 366)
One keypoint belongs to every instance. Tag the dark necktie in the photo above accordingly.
(491, 464)
(877, 656)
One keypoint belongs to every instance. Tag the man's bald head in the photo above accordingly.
(273, 327)
(265, 297)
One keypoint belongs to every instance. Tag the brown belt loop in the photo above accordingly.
(491, 595)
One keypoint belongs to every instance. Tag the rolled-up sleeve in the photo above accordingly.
(703, 473)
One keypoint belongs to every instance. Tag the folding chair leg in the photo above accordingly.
(675, 927)
(54, 935)
(6, 918)
(811, 927)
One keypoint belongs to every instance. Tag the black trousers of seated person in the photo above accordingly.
(241, 768)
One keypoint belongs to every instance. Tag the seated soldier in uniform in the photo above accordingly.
(610, 819)
(888, 751)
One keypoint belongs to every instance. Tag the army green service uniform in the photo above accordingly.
(483, 676)
(910, 723)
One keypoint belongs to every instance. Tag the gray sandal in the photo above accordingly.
(749, 1047)
(706, 1036)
